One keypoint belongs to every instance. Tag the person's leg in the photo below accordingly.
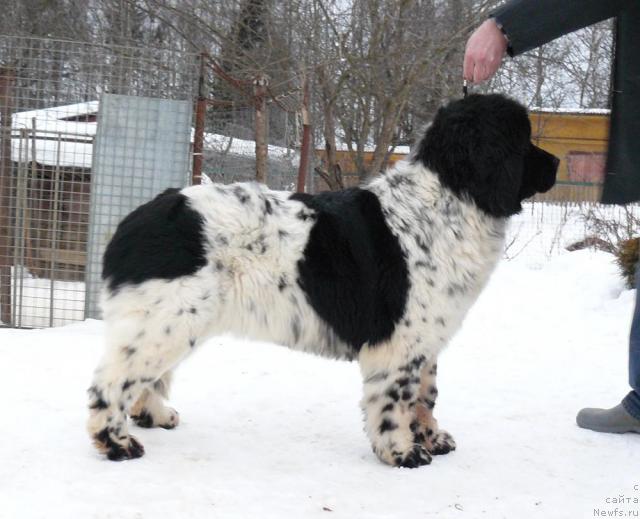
(631, 402)
(625, 417)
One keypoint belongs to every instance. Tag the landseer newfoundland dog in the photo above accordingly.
(383, 274)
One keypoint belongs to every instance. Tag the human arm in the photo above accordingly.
(521, 25)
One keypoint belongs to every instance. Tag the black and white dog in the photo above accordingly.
(383, 274)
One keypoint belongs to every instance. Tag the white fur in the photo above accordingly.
(237, 292)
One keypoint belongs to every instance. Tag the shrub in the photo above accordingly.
(627, 258)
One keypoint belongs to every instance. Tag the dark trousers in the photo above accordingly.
(632, 401)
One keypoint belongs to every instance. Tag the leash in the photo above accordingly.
(465, 89)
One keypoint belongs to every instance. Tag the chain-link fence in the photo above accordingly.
(238, 115)
(229, 146)
(66, 180)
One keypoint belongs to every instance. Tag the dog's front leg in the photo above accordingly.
(436, 440)
(391, 391)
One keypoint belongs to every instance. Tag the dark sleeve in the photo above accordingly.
(530, 23)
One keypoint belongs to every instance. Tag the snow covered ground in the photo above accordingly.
(271, 433)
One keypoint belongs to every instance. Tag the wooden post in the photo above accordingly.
(260, 84)
(7, 81)
(198, 134)
(305, 147)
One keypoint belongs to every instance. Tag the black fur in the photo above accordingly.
(353, 270)
(162, 239)
(116, 452)
(143, 419)
(480, 148)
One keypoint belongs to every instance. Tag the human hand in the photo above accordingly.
(484, 52)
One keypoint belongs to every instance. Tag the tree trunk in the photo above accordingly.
(260, 84)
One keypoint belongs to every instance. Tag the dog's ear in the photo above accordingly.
(476, 147)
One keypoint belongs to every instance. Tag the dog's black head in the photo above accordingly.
(480, 147)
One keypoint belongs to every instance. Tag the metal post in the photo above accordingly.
(54, 230)
(7, 81)
(198, 135)
(306, 140)
(19, 229)
(260, 84)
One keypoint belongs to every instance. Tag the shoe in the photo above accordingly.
(614, 420)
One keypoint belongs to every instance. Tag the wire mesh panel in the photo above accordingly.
(49, 113)
(131, 164)
(229, 140)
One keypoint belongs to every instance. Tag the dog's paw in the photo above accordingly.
(415, 458)
(119, 449)
(440, 442)
(168, 419)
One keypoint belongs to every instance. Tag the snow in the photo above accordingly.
(41, 302)
(242, 147)
(571, 110)
(69, 143)
(272, 433)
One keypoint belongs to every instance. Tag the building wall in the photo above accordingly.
(578, 139)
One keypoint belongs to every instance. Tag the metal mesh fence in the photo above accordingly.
(70, 168)
(50, 95)
(229, 146)
(545, 229)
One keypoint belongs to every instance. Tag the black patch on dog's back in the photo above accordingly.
(162, 239)
(353, 271)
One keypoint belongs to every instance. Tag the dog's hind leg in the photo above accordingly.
(436, 440)
(139, 351)
(391, 390)
(150, 411)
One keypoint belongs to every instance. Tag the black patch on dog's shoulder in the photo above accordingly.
(162, 239)
(353, 271)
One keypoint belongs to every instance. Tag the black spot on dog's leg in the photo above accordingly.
(129, 351)
(127, 384)
(115, 451)
(417, 457)
(143, 419)
(388, 407)
(387, 425)
(98, 399)
(393, 394)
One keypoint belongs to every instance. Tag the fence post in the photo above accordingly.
(306, 139)
(260, 84)
(7, 81)
(198, 134)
